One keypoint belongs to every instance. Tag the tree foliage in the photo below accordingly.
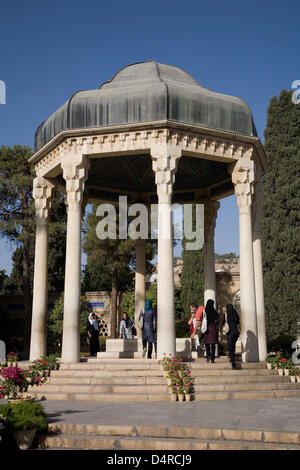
(192, 278)
(280, 223)
(56, 318)
(17, 214)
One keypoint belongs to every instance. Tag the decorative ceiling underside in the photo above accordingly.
(134, 174)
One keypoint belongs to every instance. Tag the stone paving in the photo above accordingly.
(279, 414)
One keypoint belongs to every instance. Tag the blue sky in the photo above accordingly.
(49, 50)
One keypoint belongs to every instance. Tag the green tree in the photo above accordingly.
(17, 214)
(17, 225)
(56, 252)
(6, 287)
(192, 278)
(280, 222)
(55, 322)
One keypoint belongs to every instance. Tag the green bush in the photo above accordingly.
(23, 416)
(282, 342)
(182, 328)
(102, 343)
(55, 322)
(127, 303)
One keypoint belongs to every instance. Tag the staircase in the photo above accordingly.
(141, 380)
(112, 437)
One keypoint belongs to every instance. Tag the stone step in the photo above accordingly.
(244, 379)
(99, 397)
(112, 365)
(108, 387)
(246, 395)
(94, 364)
(232, 372)
(111, 380)
(226, 365)
(88, 442)
(169, 431)
(146, 389)
(88, 372)
(100, 388)
(162, 396)
(239, 387)
(106, 373)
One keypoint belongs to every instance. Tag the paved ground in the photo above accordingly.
(277, 414)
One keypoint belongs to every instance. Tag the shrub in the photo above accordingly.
(23, 416)
(55, 322)
(282, 342)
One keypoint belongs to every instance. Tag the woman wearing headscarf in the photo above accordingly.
(126, 327)
(192, 323)
(93, 329)
(211, 334)
(233, 333)
(149, 329)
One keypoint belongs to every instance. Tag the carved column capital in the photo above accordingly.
(42, 194)
(243, 180)
(75, 174)
(164, 166)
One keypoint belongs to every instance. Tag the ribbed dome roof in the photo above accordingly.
(147, 92)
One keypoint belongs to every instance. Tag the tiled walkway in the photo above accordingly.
(279, 414)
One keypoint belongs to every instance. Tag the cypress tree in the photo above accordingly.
(192, 277)
(280, 222)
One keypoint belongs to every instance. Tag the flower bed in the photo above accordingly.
(44, 365)
(14, 382)
(284, 365)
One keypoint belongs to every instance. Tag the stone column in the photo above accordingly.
(140, 281)
(243, 178)
(164, 166)
(210, 216)
(42, 193)
(258, 271)
(75, 174)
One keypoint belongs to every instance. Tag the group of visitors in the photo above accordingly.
(147, 322)
(206, 319)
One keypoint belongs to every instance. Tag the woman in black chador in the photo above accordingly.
(211, 334)
(92, 329)
(233, 332)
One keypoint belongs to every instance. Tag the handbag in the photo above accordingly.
(141, 320)
(204, 322)
(225, 328)
(133, 329)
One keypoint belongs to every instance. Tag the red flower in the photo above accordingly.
(282, 360)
